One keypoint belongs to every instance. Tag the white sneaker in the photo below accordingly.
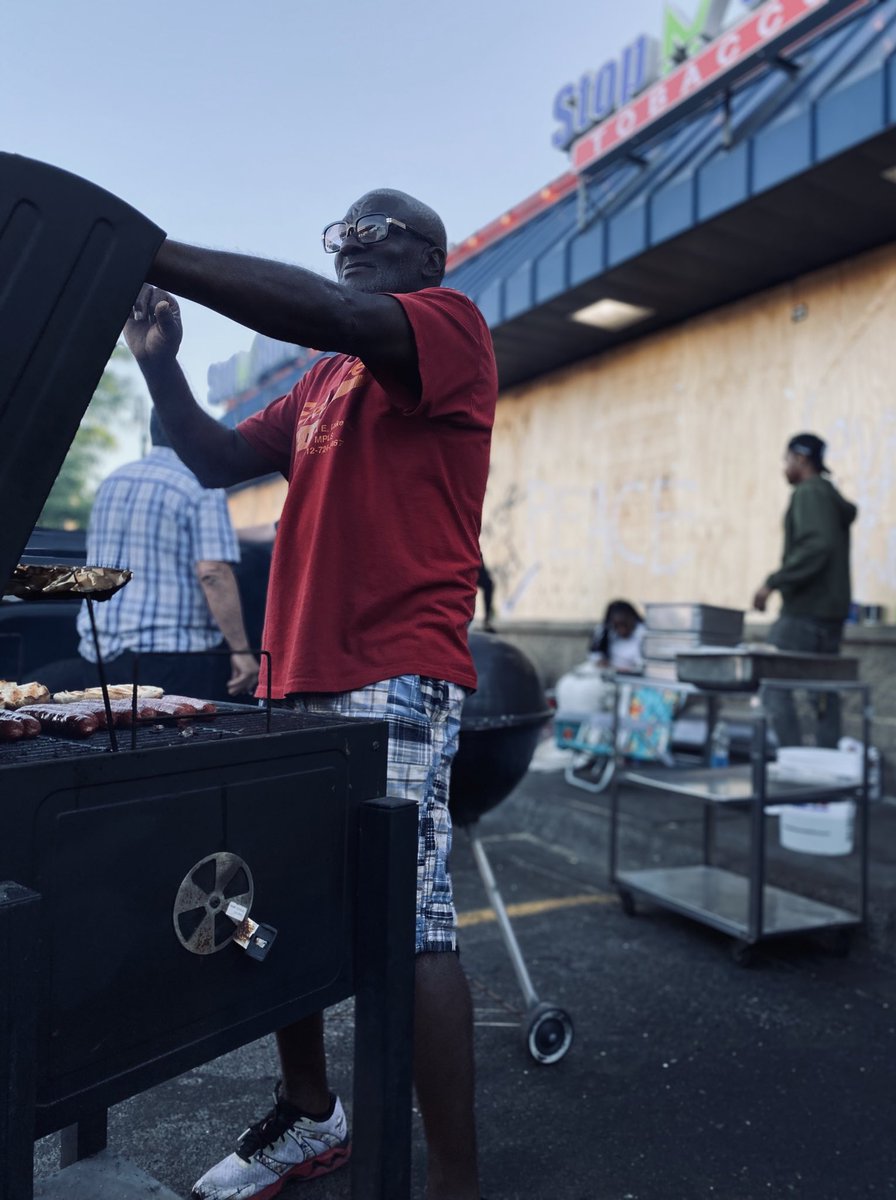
(284, 1146)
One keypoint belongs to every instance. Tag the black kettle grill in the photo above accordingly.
(500, 727)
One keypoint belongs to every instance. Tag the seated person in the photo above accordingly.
(616, 645)
(619, 642)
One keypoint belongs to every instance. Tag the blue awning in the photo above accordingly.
(782, 177)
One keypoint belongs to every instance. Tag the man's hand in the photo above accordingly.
(154, 331)
(761, 598)
(243, 674)
(222, 595)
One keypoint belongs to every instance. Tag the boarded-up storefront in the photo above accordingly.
(654, 471)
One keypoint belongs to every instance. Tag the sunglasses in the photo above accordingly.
(369, 229)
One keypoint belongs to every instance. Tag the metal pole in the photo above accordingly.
(756, 893)
(709, 813)
(864, 819)
(19, 967)
(709, 832)
(712, 716)
(101, 672)
(513, 949)
(384, 1000)
(615, 779)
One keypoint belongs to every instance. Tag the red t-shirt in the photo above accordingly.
(377, 551)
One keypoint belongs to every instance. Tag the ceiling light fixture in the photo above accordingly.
(611, 314)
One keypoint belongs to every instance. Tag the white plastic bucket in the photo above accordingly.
(819, 828)
(813, 763)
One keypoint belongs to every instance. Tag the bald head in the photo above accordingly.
(407, 208)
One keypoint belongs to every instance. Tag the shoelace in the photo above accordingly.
(268, 1130)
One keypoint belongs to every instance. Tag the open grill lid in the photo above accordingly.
(72, 259)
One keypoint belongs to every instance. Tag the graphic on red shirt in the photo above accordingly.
(314, 435)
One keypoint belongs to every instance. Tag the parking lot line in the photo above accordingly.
(530, 908)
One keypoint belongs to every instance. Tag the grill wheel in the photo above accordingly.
(199, 907)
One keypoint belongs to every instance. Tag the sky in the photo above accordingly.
(249, 126)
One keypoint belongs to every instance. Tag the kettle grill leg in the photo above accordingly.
(547, 1029)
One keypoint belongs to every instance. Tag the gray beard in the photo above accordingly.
(379, 280)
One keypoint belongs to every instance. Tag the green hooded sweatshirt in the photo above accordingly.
(813, 578)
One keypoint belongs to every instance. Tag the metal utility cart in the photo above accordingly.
(745, 905)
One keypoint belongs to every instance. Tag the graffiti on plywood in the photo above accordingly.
(536, 530)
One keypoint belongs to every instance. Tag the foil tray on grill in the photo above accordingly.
(32, 581)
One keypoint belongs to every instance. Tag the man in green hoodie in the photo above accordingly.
(813, 580)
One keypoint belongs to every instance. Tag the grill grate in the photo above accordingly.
(46, 749)
(231, 721)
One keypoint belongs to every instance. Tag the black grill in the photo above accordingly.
(105, 989)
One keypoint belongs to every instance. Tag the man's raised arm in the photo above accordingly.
(288, 302)
(219, 457)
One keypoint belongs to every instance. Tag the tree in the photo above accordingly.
(115, 407)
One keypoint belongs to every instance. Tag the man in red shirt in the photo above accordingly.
(373, 583)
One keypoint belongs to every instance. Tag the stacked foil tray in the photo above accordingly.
(682, 628)
(743, 669)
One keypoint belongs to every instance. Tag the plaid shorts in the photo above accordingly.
(423, 716)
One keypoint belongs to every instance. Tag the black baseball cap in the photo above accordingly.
(810, 447)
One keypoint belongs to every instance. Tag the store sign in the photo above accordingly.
(597, 94)
(655, 79)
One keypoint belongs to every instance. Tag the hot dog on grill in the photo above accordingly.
(205, 707)
(92, 708)
(63, 720)
(181, 706)
(122, 711)
(14, 725)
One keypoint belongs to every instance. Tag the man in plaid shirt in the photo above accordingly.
(155, 518)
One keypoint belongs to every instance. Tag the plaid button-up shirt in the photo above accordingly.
(155, 518)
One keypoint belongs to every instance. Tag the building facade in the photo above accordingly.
(708, 277)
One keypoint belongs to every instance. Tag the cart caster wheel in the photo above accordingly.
(549, 1033)
(743, 953)
(627, 900)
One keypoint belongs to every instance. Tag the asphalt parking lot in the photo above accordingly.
(690, 1076)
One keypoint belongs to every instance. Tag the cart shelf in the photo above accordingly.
(734, 785)
(720, 898)
(745, 906)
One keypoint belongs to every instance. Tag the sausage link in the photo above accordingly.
(62, 720)
(13, 727)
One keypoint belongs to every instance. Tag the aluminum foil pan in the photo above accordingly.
(36, 582)
(744, 670)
